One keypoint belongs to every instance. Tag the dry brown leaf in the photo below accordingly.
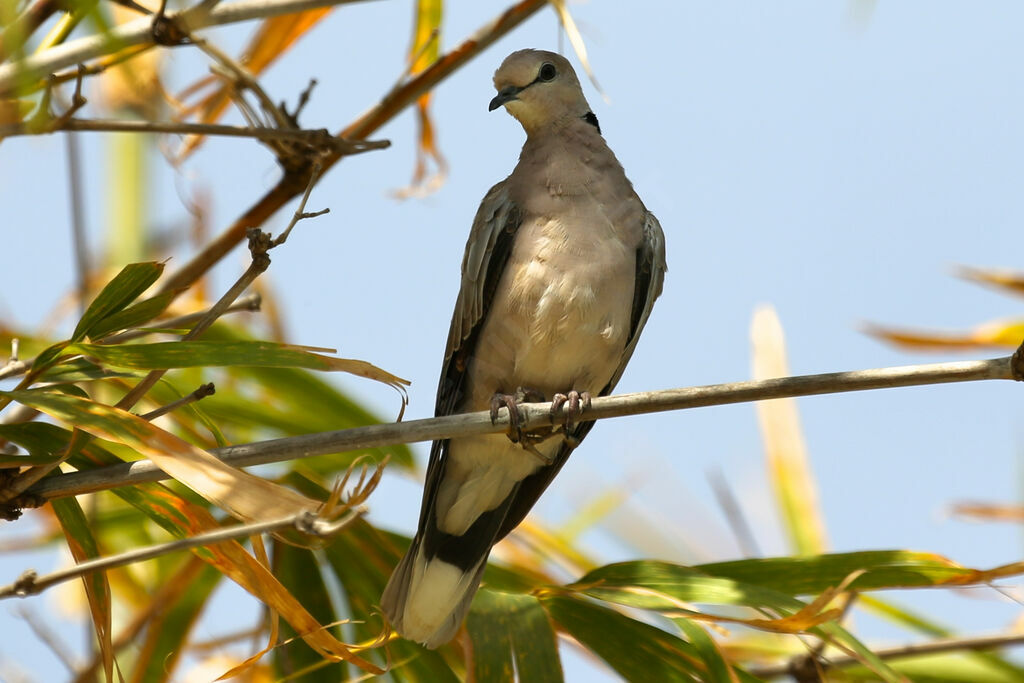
(990, 512)
(231, 559)
(260, 551)
(576, 40)
(1002, 278)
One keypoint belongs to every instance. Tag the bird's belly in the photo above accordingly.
(555, 326)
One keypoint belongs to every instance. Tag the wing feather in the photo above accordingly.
(487, 251)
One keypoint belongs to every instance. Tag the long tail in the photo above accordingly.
(427, 599)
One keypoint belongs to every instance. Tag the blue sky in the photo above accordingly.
(796, 154)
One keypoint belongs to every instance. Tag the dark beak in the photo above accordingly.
(504, 95)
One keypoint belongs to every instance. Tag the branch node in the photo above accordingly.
(202, 392)
(166, 31)
(44, 120)
(26, 583)
(259, 244)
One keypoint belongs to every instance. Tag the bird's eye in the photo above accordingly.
(547, 72)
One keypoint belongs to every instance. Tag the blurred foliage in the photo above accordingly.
(315, 616)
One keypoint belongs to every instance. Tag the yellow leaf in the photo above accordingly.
(1012, 280)
(990, 512)
(997, 333)
(244, 495)
(424, 51)
(785, 450)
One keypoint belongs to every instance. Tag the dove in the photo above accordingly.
(560, 272)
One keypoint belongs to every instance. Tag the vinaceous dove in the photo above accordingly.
(561, 269)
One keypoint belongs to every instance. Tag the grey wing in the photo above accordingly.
(487, 251)
(650, 276)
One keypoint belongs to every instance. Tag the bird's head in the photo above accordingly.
(540, 89)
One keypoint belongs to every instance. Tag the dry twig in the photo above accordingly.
(306, 522)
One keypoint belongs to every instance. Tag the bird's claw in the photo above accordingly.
(516, 419)
(575, 403)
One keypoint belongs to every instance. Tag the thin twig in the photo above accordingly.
(238, 75)
(202, 392)
(939, 645)
(537, 416)
(300, 211)
(248, 303)
(77, 219)
(318, 138)
(52, 639)
(306, 522)
(734, 516)
(140, 32)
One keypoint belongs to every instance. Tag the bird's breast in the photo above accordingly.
(561, 314)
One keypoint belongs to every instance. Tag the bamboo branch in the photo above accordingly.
(536, 416)
(140, 32)
(937, 646)
(199, 394)
(306, 522)
(318, 138)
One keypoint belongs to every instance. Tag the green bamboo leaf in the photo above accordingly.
(637, 651)
(665, 587)
(648, 584)
(133, 316)
(83, 547)
(191, 354)
(786, 575)
(299, 571)
(939, 668)
(718, 669)
(78, 370)
(813, 574)
(511, 636)
(133, 280)
(44, 442)
(48, 356)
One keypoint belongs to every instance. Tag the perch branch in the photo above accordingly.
(538, 416)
